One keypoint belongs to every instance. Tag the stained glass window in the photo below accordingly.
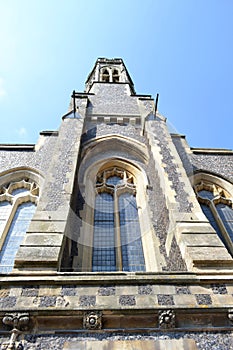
(114, 180)
(131, 243)
(206, 194)
(15, 235)
(17, 206)
(226, 214)
(5, 209)
(218, 210)
(103, 255)
(208, 213)
(116, 232)
(20, 191)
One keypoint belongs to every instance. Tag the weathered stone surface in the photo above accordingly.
(185, 300)
(37, 256)
(165, 299)
(47, 226)
(203, 340)
(48, 290)
(146, 301)
(197, 227)
(202, 239)
(110, 302)
(168, 344)
(42, 239)
(210, 256)
(87, 300)
(8, 302)
(145, 289)
(128, 300)
(112, 99)
(203, 299)
(222, 299)
(107, 290)
(219, 164)
(46, 215)
(164, 289)
(68, 290)
(200, 289)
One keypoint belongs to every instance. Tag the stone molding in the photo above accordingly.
(166, 319)
(92, 320)
(230, 316)
(19, 323)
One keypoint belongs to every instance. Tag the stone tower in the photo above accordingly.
(114, 232)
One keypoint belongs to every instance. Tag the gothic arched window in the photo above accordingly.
(110, 75)
(115, 76)
(216, 204)
(117, 244)
(105, 76)
(17, 206)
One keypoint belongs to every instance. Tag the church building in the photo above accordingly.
(114, 232)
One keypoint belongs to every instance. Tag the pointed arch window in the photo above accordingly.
(217, 205)
(105, 76)
(115, 76)
(17, 206)
(117, 244)
(109, 74)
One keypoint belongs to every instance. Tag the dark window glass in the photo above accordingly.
(103, 255)
(114, 180)
(208, 213)
(131, 243)
(21, 190)
(15, 236)
(206, 194)
(5, 209)
(226, 214)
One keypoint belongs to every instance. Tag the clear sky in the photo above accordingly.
(181, 49)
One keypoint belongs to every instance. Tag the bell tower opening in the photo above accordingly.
(109, 71)
(105, 76)
(115, 76)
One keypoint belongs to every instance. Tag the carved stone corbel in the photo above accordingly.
(18, 322)
(166, 319)
(230, 315)
(92, 320)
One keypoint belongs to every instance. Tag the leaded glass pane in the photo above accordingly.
(5, 209)
(131, 243)
(15, 236)
(21, 190)
(103, 255)
(206, 194)
(226, 214)
(208, 213)
(114, 180)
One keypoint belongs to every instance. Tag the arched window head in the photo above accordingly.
(115, 178)
(105, 75)
(110, 74)
(17, 206)
(216, 204)
(115, 76)
(117, 243)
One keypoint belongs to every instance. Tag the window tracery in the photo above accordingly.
(17, 206)
(117, 243)
(109, 74)
(217, 205)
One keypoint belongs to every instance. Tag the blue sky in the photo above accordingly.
(181, 49)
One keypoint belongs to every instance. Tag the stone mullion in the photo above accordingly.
(222, 227)
(119, 266)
